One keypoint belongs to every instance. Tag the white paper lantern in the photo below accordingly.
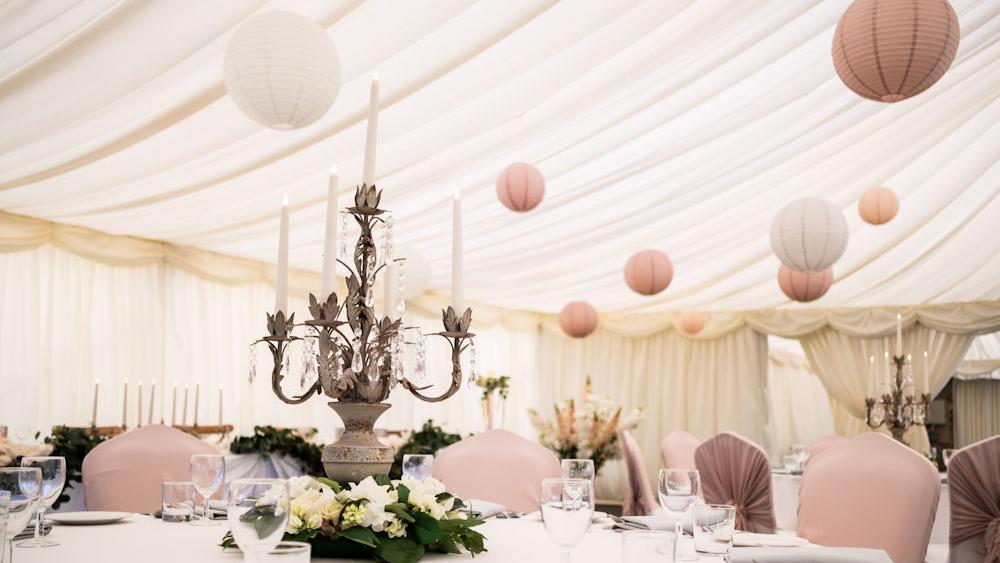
(282, 70)
(809, 234)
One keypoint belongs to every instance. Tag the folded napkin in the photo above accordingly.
(482, 509)
(808, 555)
(750, 539)
(29, 531)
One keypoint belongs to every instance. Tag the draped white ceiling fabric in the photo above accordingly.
(681, 125)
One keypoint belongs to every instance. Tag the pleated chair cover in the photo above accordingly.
(498, 466)
(821, 444)
(736, 471)
(870, 491)
(677, 450)
(639, 499)
(126, 472)
(974, 481)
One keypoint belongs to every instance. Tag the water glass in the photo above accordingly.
(642, 546)
(257, 511)
(207, 474)
(946, 455)
(578, 469)
(178, 501)
(678, 491)
(567, 506)
(24, 485)
(801, 454)
(53, 470)
(289, 552)
(713, 528)
(418, 466)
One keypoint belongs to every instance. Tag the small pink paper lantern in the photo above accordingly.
(520, 187)
(578, 319)
(648, 272)
(692, 322)
(878, 205)
(804, 286)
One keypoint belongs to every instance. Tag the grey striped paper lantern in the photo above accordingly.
(891, 50)
(809, 234)
(282, 70)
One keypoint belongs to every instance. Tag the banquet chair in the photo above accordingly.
(974, 481)
(821, 444)
(736, 471)
(677, 450)
(126, 472)
(870, 491)
(497, 466)
(639, 499)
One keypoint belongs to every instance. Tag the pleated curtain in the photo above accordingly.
(977, 411)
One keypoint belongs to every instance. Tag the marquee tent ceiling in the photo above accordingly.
(682, 126)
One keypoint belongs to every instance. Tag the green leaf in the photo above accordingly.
(329, 483)
(364, 536)
(446, 545)
(399, 550)
(263, 519)
(426, 529)
(404, 493)
(456, 524)
(443, 497)
(399, 509)
(383, 480)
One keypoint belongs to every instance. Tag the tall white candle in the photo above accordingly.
(184, 418)
(872, 376)
(330, 241)
(93, 416)
(125, 404)
(197, 396)
(220, 405)
(899, 334)
(152, 399)
(888, 373)
(372, 139)
(927, 374)
(173, 408)
(138, 405)
(281, 281)
(457, 288)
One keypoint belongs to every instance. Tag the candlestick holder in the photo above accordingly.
(356, 358)
(898, 409)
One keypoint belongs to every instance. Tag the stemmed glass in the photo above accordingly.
(678, 491)
(207, 473)
(24, 485)
(257, 511)
(418, 466)
(53, 470)
(567, 506)
(578, 469)
(4, 510)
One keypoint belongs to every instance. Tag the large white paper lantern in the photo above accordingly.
(282, 70)
(809, 234)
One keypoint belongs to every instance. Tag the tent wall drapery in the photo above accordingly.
(977, 411)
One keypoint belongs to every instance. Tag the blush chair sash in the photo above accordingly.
(639, 499)
(677, 450)
(736, 471)
(974, 479)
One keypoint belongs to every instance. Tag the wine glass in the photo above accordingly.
(678, 491)
(53, 470)
(24, 484)
(567, 506)
(207, 474)
(418, 466)
(257, 511)
(4, 510)
(801, 454)
(578, 469)
(946, 455)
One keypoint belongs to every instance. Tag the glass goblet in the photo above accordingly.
(24, 484)
(678, 491)
(207, 474)
(257, 511)
(418, 466)
(713, 528)
(53, 470)
(567, 506)
(578, 469)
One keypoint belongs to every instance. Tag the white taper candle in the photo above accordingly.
(152, 400)
(220, 405)
(197, 396)
(457, 288)
(97, 389)
(372, 139)
(281, 280)
(138, 405)
(125, 405)
(173, 408)
(927, 374)
(899, 334)
(330, 240)
(184, 417)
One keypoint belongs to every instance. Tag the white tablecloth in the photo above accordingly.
(153, 541)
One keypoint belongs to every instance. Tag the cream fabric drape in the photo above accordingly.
(982, 361)
(842, 363)
(800, 406)
(977, 411)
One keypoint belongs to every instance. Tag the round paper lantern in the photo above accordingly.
(648, 272)
(878, 205)
(804, 286)
(416, 274)
(578, 319)
(890, 50)
(809, 234)
(520, 187)
(282, 70)
(692, 322)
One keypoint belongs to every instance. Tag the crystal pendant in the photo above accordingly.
(387, 239)
(421, 362)
(308, 363)
(473, 368)
(356, 355)
(253, 364)
(337, 368)
(373, 372)
(286, 362)
(400, 288)
(369, 296)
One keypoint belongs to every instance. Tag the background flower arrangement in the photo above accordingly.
(492, 384)
(588, 430)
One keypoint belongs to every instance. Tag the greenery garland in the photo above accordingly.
(268, 439)
(73, 444)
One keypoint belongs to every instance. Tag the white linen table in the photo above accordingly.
(146, 539)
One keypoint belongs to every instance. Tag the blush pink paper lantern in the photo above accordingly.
(804, 286)
(878, 205)
(648, 272)
(578, 319)
(890, 50)
(692, 322)
(520, 187)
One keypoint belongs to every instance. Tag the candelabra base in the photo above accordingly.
(897, 434)
(358, 453)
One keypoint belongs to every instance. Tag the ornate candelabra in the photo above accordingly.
(899, 408)
(355, 358)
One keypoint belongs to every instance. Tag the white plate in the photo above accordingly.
(91, 518)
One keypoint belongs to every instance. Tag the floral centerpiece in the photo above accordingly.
(588, 430)
(393, 521)
(492, 384)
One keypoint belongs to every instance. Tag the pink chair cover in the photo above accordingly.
(736, 471)
(820, 444)
(870, 491)
(974, 479)
(498, 466)
(126, 472)
(639, 500)
(677, 450)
